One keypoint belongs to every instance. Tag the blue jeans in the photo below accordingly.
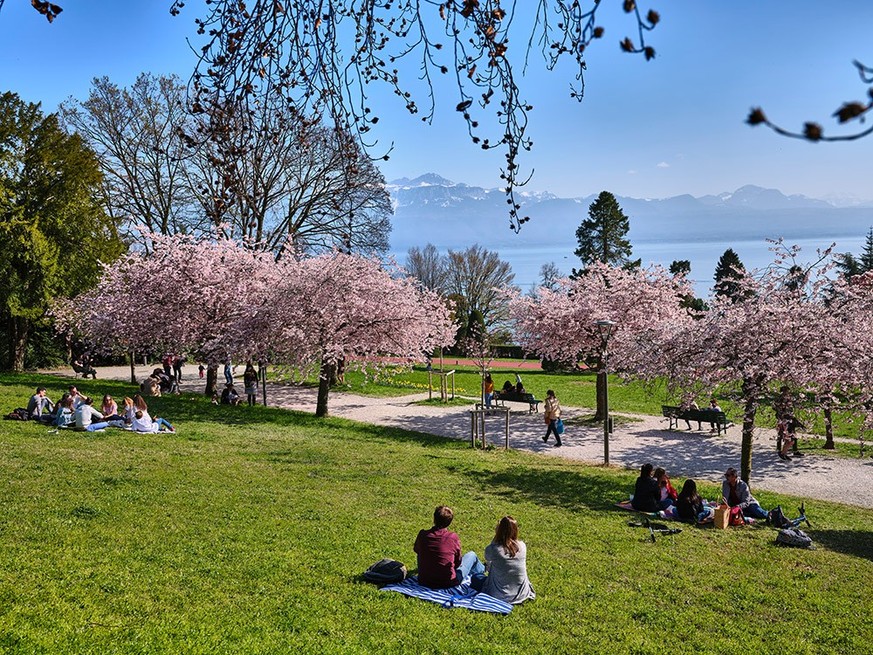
(488, 398)
(97, 426)
(755, 511)
(162, 421)
(470, 566)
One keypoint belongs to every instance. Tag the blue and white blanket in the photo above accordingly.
(461, 596)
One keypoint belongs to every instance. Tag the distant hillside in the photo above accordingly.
(431, 209)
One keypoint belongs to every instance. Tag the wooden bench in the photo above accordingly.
(676, 414)
(502, 397)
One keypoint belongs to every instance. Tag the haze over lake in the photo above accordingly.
(430, 209)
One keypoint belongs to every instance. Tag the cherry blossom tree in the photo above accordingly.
(560, 324)
(781, 328)
(342, 308)
(180, 296)
(218, 298)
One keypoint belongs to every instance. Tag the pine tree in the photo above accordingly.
(866, 258)
(602, 237)
(728, 270)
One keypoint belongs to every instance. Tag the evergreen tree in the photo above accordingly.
(602, 237)
(866, 259)
(682, 266)
(53, 233)
(728, 270)
(850, 265)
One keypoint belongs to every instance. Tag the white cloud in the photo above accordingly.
(663, 164)
(631, 172)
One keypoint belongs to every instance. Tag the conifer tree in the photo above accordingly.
(727, 273)
(602, 237)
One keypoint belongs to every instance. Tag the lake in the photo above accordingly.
(703, 255)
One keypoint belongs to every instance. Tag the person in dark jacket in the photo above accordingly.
(646, 491)
(690, 506)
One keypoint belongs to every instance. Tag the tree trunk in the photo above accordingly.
(323, 390)
(750, 393)
(132, 370)
(19, 327)
(829, 428)
(211, 380)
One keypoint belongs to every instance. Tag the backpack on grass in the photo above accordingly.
(385, 571)
(777, 519)
(19, 414)
(794, 537)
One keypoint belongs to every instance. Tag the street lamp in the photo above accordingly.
(605, 329)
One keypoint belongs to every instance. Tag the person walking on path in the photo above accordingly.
(552, 412)
(488, 390)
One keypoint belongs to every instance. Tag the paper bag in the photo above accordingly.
(722, 516)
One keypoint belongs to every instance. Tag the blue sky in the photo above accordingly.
(645, 129)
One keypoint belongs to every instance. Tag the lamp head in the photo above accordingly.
(605, 328)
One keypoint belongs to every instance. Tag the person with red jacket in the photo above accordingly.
(440, 564)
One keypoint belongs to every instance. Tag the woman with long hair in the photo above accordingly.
(690, 506)
(506, 566)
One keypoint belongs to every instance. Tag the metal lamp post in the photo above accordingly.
(605, 329)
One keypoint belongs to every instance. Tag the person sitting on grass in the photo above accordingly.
(440, 564)
(647, 494)
(735, 492)
(40, 407)
(690, 506)
(666, 493)
(65, 415)
(86, 417)
(142, 422)
(229, 396)
(506, 564)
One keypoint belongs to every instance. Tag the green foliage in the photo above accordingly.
(850, 265)
(728, 269)
(246, 532)
(53, 234)
(602, 237)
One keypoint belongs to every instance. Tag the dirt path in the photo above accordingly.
(700, 455)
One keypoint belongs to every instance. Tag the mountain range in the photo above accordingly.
(432, 209)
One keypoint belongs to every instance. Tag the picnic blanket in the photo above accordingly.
(462, 595)
(626, 504)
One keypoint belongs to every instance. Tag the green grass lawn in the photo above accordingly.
(246, 531)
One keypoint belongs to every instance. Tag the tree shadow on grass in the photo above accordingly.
(571, 490)
(849, 542)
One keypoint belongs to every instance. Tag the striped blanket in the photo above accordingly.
(461, 596)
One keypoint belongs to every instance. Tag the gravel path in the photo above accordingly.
(700, 455)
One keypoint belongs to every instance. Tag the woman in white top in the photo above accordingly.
(506, 564)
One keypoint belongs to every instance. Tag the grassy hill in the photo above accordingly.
(246, 531)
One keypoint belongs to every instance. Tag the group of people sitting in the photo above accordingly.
(75, 410)
(230, 396)
(502, 576)
(653, 492)
(159, 382)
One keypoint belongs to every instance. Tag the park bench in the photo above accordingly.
(676, 414)
(84, 371)
(502, 397)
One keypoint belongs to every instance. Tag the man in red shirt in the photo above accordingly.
(440, 564)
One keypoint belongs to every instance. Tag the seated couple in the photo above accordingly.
(504, 574)
(653, 491)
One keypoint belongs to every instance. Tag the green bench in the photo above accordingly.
(676, 414)
(502, 397)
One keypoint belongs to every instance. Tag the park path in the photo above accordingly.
(700, 455)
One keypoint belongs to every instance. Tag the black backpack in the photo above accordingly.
(19, 414)
(777, 519)
(385, 571)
